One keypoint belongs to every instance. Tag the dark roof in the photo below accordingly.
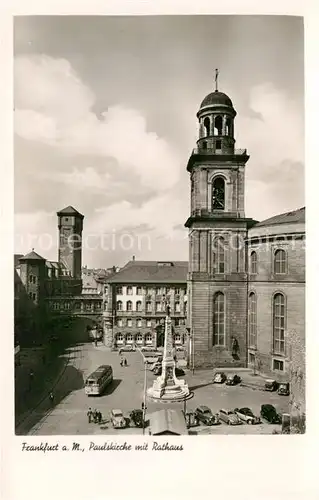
(17, 257)
(215, 99)
(70, 211)
(168, 421)
(32, 256)
(286, 218)
(136, 271)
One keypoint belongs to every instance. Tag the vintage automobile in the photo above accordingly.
(284, 389)
(147, 348)
(219, 378)
(117, 419)
(271, 385)
(127, 348)
(233, 379)
(191, 419)
(247, 416)
(136, 416)
(229, 417)
(205, 415)
(269, 413)
(178, 371)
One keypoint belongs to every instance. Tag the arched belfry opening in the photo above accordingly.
(218, 125)
(207, 126)
(228, 126)
(218, 194)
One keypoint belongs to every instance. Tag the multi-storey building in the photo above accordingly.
(133, 303)
(246, 280)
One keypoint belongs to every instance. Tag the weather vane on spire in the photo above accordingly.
(216, 79)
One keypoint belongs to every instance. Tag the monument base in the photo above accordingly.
(172, 390)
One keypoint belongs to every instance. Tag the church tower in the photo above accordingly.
(217, 278)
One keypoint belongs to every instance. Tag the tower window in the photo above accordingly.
(218, 194)
(228, 126)
(219, 319)
(219, 255)
(207, 126)
(218, 125)
(253, 263)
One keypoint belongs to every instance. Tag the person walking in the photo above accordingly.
(125, 362)
(51, 397)
(89, 415)
(95, 416)
(121, 360)
(99, 416)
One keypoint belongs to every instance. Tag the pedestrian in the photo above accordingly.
(51, 397)
(94, 416)
(89, 414)
(121, 360)
(95, 342)
(125, 362)
(99, 416)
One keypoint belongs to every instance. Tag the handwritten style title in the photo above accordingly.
(107, 446)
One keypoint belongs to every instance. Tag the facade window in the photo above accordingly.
(177, 307)
(148, 306)
(34, 296)
(279, 323)
(177, 338)
(219, 255)
(129, 290)
(185, 308)
(139, 338)
(177, 291)
(139, 290)
(158, 306)
(106, 290)
(129, 338)
(119, 305)
(148, 338)
(280, 262)
(119, 338)
(129, 305)
(139, 323)
(98, 305)
(218, 194)
(77, 305)
(119, 290)
(129, 323)
(177, 321)
(278, 365)
(148, 323)
(87, 306)
(219, 319)
(253, 263)
(119, 322)
(158, 321)
(218, 144)
(158, 290)
(138, 305)
(252, 319)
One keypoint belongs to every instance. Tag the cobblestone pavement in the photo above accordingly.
(69, 416)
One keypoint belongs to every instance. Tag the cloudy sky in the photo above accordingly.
(105, 120)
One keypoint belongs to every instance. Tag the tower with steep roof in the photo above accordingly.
(217, 279)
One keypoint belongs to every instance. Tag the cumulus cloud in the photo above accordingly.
(53, 106)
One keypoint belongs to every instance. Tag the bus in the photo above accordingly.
(98, 380)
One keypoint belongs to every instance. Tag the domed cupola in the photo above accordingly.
(216, 123)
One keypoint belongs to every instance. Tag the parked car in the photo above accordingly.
(191, 419)
(137, 418)
(179, 372)
(269, 413)
(127, 348)
(117, 419)
(246, 415)
(205, 415)
(284, 389)
(271, 385)
(219, 378)
(233, 379)
(229, 417)
(147, 348)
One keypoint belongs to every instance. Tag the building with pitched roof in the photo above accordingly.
(133, 303)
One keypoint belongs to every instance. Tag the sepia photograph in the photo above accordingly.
(159, 225)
